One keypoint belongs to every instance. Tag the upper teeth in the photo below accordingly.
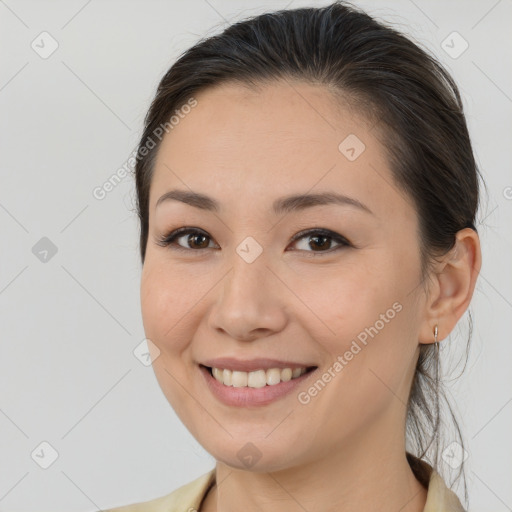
(258, 378)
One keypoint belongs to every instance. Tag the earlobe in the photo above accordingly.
(453, 284)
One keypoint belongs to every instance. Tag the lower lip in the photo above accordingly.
(246, 396)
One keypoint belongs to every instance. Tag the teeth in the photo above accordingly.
(258, 378)
(273, 376)
(227, 377)
(239, 379)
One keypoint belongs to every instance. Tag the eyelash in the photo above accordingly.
(169, 240)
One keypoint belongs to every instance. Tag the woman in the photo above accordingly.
(307, 195)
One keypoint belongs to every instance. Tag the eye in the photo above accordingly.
(190, 236)
(322, 239)
(318, 239)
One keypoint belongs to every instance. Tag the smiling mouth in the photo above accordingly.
(258, 378)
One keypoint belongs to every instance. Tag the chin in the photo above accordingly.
(255, 454)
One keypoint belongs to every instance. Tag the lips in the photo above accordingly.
(242, 383)
(246, 396)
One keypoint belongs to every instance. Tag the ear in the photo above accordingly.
(451, 286)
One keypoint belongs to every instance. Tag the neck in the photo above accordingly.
(369, 474)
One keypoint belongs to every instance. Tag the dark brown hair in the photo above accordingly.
(414, 105)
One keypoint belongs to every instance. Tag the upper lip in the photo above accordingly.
(249, 365)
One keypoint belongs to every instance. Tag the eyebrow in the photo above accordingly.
(280, 206)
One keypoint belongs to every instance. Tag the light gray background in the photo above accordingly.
(68, 374)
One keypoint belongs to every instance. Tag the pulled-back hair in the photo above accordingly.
(415, 109)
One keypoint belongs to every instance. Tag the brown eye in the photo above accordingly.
(198, 239)
(191, 239)
(313, 240)
(320, 240)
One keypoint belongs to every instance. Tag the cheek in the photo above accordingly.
(365, 321)
(341, 301)
(165, 300)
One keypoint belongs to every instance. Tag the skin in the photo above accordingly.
(345, 449)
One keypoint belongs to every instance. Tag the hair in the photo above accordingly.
(381, 74)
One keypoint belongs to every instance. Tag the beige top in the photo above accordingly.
(188, 497)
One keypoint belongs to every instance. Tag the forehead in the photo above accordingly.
(235, 120)
(289, 136)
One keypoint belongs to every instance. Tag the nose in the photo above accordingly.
(250, 302)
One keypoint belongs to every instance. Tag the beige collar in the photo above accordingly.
(190, 496)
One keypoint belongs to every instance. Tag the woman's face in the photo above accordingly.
(347, 300)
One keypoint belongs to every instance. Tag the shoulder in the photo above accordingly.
(440, 498)
(184, 498)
